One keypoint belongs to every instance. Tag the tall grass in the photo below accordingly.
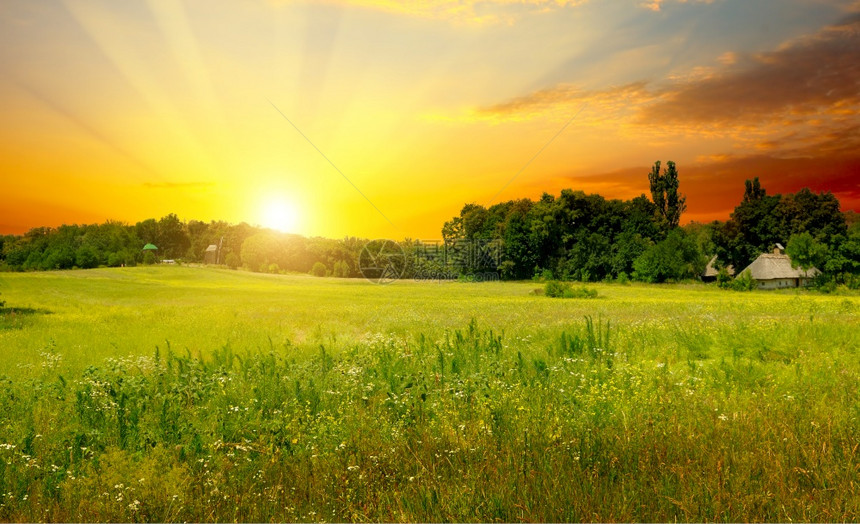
(464, 425)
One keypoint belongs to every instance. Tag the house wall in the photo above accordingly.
(777, 283)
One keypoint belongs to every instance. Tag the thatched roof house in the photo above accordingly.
(773, 270)
(710, 273)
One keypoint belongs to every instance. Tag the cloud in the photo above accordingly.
(657, 5)
(801, 78)
(798, 100)
(818, 74)
(473, 11)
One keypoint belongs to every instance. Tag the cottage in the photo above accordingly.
(774, 271)
(710, 273)
(210, 256)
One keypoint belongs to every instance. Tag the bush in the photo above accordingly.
(114, 260)
(232, 260)
(542, 275)
(274, 269)
(743, 282)
(149, 258)
(676, 258)
(723, 278)
(341, 269)
(623, 278)
(85, 258)
(557, 289)
(319, 269)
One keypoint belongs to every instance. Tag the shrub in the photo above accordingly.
(743, 282)
(149, 258)
(319, 269)
(341, 269)
(723, 278)
(542, 275)
(274, 269)
(623, 278)
(85, 258)
(232, 260)
(557, 289)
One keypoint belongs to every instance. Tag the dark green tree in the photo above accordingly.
(805, 252)
(664, 193)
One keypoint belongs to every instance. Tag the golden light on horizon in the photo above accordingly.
(129, 111)
(280, 213)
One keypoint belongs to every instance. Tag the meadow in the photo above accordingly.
(201, 394)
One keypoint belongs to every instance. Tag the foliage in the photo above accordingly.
(664, 192)
(573, 236)
(232, 260)
(341, 269)
(805, 252)
(319, 270)
(743, 282)
(761, 221)
(675, 258)
(556, 289)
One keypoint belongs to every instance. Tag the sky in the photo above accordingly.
(380, 119)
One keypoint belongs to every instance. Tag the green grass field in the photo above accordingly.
(181, 393)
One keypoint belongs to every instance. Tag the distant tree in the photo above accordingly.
(319, 269)
(232, 260)
(173, 241)
(675, 258)
(341, 269)
(86, 258)
(664, 193)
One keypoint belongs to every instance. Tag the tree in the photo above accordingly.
(664, 192)
(173, 241)
(319, 269)
(85, 258)
(675, 258)
(805, 252)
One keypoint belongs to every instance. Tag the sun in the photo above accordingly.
(280, 214)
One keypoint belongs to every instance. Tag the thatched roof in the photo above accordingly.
(712, 272)
(770, 266)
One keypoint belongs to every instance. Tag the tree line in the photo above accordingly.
(572, 236)
(578, 236)
(115, 244)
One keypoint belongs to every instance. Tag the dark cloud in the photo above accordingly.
(815, 74)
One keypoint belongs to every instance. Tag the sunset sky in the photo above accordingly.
(130, 110)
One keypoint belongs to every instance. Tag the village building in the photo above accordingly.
(710, 273)
(774, 271)
(210, 256)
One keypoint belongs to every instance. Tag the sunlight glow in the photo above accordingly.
(280, 214)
